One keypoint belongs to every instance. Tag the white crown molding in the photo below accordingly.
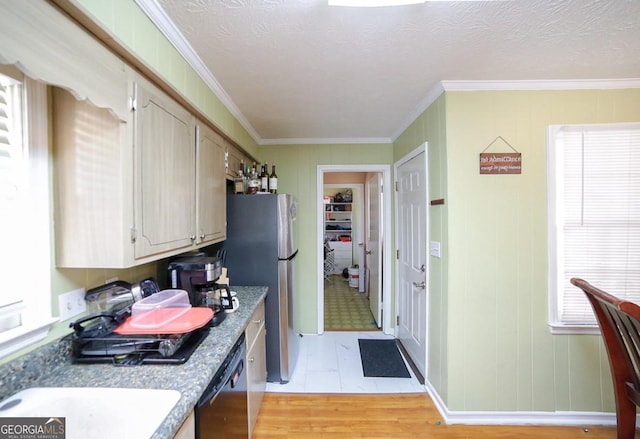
(327, 141)
(429, 99)
(560, 418)
(159, 17)
(526, 85)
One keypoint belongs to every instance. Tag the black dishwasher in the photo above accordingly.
(221, 412)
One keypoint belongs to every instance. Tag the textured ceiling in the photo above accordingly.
(301, 71)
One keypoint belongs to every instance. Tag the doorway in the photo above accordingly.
(326, 176)
(346, 299)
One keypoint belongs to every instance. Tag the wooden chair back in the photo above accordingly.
(619, 322)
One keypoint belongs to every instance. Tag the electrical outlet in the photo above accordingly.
(71, 304)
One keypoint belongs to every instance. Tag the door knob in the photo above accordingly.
(420, 285)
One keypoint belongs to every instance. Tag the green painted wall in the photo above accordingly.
(501, 353)
(430, 127)
(297, 167)
(490, 348)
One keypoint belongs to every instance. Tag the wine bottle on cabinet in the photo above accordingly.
(273, 180)
(254, 181)
(247, 178)
(238, 180)
(264, 178)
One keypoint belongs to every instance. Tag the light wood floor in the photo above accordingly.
(386, 416)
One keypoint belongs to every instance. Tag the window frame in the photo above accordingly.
(554, 186)
(36, 316)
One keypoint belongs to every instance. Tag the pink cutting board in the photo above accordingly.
(193, 319)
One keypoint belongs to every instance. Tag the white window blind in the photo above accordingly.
(25, 266)
(597, 216)
(12, 189)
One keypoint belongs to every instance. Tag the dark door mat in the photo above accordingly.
(381, 358)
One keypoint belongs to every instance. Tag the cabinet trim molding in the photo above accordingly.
(95, 29)
(35, 36)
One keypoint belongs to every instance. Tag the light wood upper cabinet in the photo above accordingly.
(234, 157)
(211, 187)
(164, 184)
(93, 160)
(129, 192)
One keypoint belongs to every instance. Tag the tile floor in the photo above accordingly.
(330, 363)
(345, 309)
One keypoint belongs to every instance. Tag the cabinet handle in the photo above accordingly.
(202, 236)
(193, 237)
(257, 322)
(251, 360)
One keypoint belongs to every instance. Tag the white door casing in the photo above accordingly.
(373, 247)
(385, 171)
(411, 264)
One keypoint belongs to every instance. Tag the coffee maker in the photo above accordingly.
(198, 275)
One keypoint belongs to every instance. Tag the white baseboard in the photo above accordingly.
(518, 417)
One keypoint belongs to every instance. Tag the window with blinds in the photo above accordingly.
(25, 213)
(13, 179)
(594, 217)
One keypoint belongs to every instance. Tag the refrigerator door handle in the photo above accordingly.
(290, 257)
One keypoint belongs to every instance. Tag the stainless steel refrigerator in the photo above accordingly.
(260, 251)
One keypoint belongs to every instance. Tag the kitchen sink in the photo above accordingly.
(95, 412)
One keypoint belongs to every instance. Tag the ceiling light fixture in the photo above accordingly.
(373, 3)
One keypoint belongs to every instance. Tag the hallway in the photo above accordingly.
(345, 309)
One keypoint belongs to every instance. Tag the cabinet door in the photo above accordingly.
(255, 324)
(255, 336)
(211, 187)
(188, 428)
(234, 157)
(164, 173)
(256, 376)
(94, 188)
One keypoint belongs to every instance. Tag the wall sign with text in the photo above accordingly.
(500, 162)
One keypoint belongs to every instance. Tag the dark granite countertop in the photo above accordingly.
(50, 366)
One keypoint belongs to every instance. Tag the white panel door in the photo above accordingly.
(412, 248)
(373, 247)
